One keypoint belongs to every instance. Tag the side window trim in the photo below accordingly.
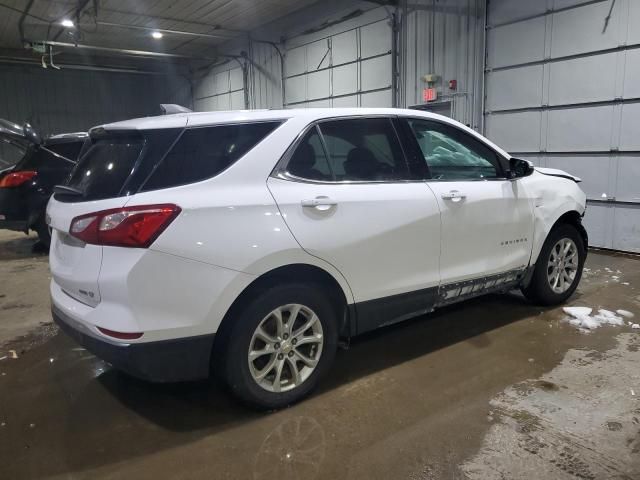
(280, 170)
(500, 160)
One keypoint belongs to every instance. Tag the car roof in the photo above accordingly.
(179, 120)
(182, 120)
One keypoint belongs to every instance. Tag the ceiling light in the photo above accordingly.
(67, 23)
(156, 35)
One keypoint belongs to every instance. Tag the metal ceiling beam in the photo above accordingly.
(225, 36)
(122, 51)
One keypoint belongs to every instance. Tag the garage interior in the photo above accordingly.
(492, 388)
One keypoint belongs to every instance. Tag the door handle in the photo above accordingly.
(454, 196)
(319, 202)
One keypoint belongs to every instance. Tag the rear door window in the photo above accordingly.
(204, 152)
(364, 149)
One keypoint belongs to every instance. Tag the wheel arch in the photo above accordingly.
(567, 216)
(573, 218)
(301, 273)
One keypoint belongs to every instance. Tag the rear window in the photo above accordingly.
(106, 166)
(204, 152)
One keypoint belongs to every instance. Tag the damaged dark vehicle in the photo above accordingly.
(30, 167)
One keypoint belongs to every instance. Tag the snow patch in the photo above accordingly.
(582, 318)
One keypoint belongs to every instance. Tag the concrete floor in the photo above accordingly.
(491, 389)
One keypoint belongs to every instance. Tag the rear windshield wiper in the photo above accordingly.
(65, 190)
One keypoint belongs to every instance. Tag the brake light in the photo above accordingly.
(136, 227)
(15, 179)
(120, 335)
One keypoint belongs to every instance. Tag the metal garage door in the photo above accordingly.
(349, 69)
(563, 89)
(222, 91)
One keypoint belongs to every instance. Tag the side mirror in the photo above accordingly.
(519, 168)
(31, 134)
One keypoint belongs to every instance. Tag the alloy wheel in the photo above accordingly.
(285, 348)
(562, 265)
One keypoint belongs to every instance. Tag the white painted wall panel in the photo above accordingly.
(632, 74)
(319, 104)
(236, 100)
(580, 80)
(222, 82)
(514, 88)
(376, 99)
(630, 127)
(316, 53)
(224, 101)
(598, 221)
(318, 84)
(296, 89)
(296, 61)
(509, 10)
(594, 172)
(633, 33)
(235, 79)
(345, 79)
(626, 231)
(580, 129)
(345, 102)
(580, 30)
(375, 39)
(529, 47)
(515, 131)
(376, 73)
(344, 47)
(628, 179)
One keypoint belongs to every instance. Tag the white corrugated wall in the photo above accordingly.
(339, 54)
(563, 90)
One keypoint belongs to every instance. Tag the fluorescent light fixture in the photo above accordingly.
(156, 35)
(67, 23)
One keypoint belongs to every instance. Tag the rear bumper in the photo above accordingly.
(181, 359)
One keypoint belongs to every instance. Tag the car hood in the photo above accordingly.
(553, 172)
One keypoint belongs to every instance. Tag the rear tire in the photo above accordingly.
(280, 345)
(559, 267)
(44, 234)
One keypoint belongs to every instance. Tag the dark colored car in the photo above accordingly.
(26, 186)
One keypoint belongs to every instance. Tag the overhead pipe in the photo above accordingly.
(123, 51)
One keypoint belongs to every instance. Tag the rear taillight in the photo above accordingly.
(136, 227)
(15, 179)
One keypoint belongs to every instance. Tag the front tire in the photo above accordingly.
(280, 345)
(559, 267)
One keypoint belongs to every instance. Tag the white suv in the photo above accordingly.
(250, 243)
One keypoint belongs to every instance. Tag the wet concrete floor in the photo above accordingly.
(493, 388)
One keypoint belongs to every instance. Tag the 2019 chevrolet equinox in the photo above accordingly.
(249, 243)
